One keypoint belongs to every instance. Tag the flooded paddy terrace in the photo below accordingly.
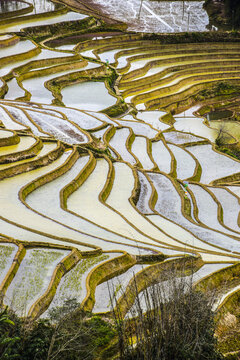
(99, 135)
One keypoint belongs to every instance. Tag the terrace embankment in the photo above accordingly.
(89, 7)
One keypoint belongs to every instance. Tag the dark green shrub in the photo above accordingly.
(9, 340)
(36, 340)
(70, 335)
(78, 336)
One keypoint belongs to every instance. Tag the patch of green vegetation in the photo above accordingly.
(232, 356)
(71, 338)
(7, 340)
(221, 89)
(231, 342)
(204, 110)
(104, 331)
(80, 336)
(111, 79)
(233, 154)
(5, 252)
(193, 37)
(226, 88)
(116, 110)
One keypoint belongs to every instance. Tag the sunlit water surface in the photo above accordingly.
(154, 16)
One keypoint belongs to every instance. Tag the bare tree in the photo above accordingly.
(169, 321)
(220, 140)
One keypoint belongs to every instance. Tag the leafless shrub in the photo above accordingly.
(170, 320)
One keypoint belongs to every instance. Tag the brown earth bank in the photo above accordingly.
(89, 7)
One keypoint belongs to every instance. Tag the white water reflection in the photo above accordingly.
(44, 54)
(8, 6)
(14, 91)
(195, 126)
(53, 19)
(162, 16)
(39, 93)
(88, 96)
(20, 47)
(42, 6)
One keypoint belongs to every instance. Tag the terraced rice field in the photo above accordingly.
(99, 134)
